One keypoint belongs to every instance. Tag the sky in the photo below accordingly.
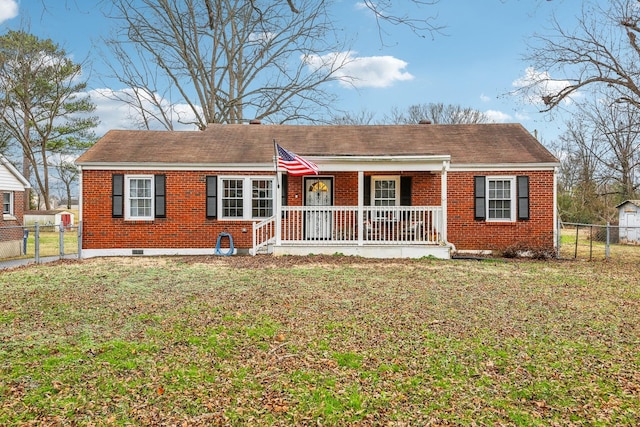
(475, 61)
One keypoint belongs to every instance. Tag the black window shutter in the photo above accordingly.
(212, 193)
(367, 191)
(479, 189)
(405, 191)
(160, 196)
(523, 197)
(117, 195)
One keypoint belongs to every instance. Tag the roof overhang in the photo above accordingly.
(325, 163)
(503, 166)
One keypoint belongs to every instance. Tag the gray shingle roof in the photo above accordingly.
(246, 144)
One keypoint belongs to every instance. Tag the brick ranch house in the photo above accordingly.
(12, 188)
(381, 191)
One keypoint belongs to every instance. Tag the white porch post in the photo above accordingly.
(360, 207)
(278, 203)
(443, 201)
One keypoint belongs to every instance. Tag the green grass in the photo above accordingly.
(320, 340)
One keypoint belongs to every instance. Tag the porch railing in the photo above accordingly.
(381, 225)
(264, 234)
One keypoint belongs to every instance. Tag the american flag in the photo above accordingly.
(294, 164)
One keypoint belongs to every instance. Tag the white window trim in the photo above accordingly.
(247, 196)
(127, 198)
(393, 216)
(512, 180)
(375, 178)
(11, 207)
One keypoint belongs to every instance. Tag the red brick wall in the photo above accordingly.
(468, 234)
(185, 225)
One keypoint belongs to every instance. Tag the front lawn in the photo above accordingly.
(320, 341)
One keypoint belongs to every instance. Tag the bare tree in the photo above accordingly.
(68, 174)
(362, 117)
(580, 181)
(600, 160)
(601, 51)
(384, 11)
(436, 113)
(228, 60)
(616, 128)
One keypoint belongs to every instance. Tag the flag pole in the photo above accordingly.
(276, 201)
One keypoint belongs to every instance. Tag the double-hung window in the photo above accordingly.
(232, 198)
(261, 198)
(246, 197)
(139, 200)
(7, 203)
(385, 191)
(501, 198)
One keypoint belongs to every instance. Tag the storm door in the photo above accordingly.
(318, 194)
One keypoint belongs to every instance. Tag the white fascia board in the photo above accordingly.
(326, 164)
(380, 163)
(503, 167)
(181, 167)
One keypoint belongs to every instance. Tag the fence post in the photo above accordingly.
(575, 251)
(606, 248)
(61, 235)
(590, 243)
(36, 240)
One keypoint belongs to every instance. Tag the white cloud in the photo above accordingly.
(365, 71)
(484, 98)
(8, 10)
(497, 116)
(115, 114)
(534, 85)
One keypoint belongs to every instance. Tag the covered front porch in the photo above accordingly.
(385, 218)
(375, 232)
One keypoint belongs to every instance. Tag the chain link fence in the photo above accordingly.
(599, 242)
(39, 241)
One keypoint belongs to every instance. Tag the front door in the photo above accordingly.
(318, 193)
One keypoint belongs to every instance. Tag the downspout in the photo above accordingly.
(443, 203)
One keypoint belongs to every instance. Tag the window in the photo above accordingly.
(232, 198)
(385, 191)
(139, 200)
(500, 198)
(138, 197)
(246, 198)
(262, 198)
(497, 198)
(7, 203)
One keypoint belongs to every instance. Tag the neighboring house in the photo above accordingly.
(381, 191)
(50, 217)
(12, 190)
(629, 221)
